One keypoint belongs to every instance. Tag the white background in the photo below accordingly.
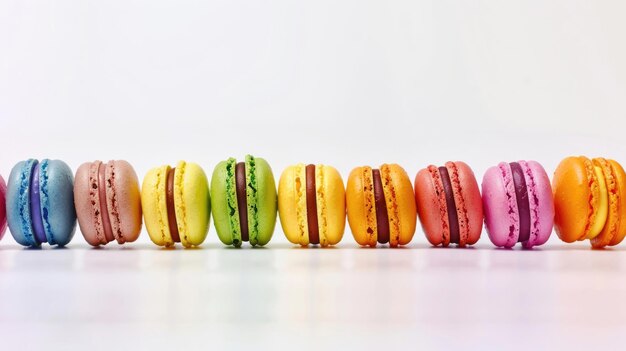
(345, 83)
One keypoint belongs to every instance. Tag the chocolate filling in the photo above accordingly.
(171, 207)
(311, 206)
(104, 209)
(382, 218)
(453, 218)
(242, 201)
(523, 204)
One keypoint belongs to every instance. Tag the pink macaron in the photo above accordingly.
(3, 208)
(108, 202)
(518, 204)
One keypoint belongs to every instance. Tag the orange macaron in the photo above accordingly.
(381, 205)
(590, 201)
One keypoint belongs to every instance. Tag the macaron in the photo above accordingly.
(3, 208)
(176, 204)
(449, 204)
(590, 201)
(40, 203)
(312, 204)
(108, 202)
(381, 205)
(518, 204)
(244, 201)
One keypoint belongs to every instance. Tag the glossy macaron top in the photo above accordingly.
(312, 204)
(244, 201)
(381, 205)
(108, 202)
(518, 204)
(176, 204)
(449, 204)
(589, 200)
(3, 209)
(40, 203)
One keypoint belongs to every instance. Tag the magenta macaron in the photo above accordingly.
(518, 204)
(3, 208)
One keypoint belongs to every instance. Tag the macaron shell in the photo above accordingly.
(154, 205)
(17, 203)
(193, 203)
(361, 206)
(3, 209)
(220, 202)
(400, 199)
(123, 201)
(292, 204)
(87, 204)
(468, 202)
(331, 204)
(57, 201)
(267, 201)
(620, 179)
(612, 221)
(431, 206)
(573, 196)
(500, 206)
(541, 203)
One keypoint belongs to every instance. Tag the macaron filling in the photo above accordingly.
(523, 204)
(382, 217)
(242, 201)
(311, 205)
(104, 210)
(453, 218)
(603, 205)
(171, 207)
(35, 204)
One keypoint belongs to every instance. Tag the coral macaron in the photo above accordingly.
(108, 202)
(176, 204)
(312, 204)
(40, 203)
(518, 204)
(244, 201)
(449, 204)
(381, 205)
(590, 201)
(3, 209)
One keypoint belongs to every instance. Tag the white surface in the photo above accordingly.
(345, 83)
(141, 297)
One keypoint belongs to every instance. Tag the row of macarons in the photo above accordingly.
(586, 200)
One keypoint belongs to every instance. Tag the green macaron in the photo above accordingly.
(244, 201)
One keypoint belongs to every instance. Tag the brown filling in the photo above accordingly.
(382, 218)
(171, 208)
(453, 218)
(104, 209)
(242, 201)
(523, 205)
(311, 206)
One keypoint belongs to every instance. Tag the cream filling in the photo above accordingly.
(603, 205)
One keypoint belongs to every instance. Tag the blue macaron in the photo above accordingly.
(40, 203)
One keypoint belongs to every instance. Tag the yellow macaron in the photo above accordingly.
(312, 204)
(176, 204)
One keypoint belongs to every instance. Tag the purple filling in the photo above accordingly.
(523, 206)
(35, 206)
